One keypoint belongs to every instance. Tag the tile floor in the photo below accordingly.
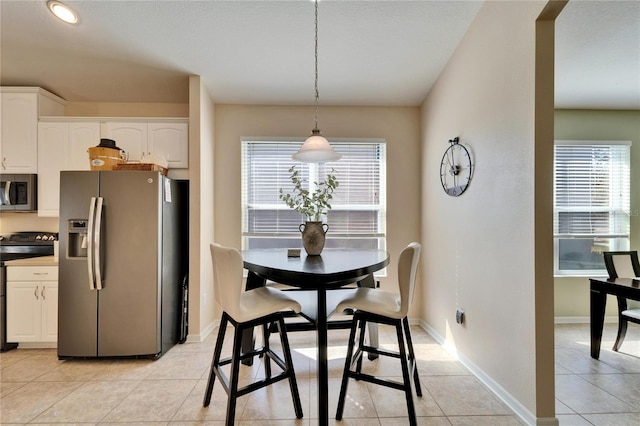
(36, 388)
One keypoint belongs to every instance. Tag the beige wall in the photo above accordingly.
(201, 214)
(399, 126)
(111, 109)
(572, 294)
(481, 252)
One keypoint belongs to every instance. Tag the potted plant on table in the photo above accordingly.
(312, 205)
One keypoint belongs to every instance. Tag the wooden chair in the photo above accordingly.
(623, 264)
(377, 306)
(245, 310)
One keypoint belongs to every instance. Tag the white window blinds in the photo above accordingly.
(591, 204)
(592, 190)
(357, 217)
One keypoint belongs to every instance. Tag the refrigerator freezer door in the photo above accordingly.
(77, 303)
(129, 308)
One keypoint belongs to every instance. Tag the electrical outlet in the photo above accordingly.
(460, 316)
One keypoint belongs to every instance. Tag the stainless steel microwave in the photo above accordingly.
(18, 192)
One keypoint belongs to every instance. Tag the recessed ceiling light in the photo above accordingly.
(62, 12)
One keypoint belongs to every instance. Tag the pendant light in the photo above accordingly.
(316, 148)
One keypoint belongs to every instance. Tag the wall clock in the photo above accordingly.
(456, 168)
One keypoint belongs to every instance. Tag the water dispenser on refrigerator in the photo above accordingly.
(77, 231)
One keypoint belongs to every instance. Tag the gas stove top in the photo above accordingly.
(23, 245)
(29, 238)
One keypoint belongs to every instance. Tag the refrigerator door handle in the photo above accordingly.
(7, 191)
(92, 209)
(96, 241)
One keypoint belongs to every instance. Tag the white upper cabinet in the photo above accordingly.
(61, 146)
(168, 140)
(82, 136)
(21, 107)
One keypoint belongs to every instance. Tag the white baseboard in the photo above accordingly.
(37, 345)
(583, 320)
(197, 338)
(520, 410)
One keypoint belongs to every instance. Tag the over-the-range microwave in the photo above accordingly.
(18, 192)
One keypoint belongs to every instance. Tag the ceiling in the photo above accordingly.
(262, 52)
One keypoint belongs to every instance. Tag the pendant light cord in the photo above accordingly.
(316, 57)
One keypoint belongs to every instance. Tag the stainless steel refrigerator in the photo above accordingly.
(121, 263)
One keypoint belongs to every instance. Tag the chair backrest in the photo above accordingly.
(227, 277)
(622, 264)
(407, 270)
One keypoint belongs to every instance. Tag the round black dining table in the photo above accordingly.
(332, 269)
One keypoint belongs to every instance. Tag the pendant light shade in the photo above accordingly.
(316, 149)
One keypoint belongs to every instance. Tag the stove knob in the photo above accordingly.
(38, 237)
(51, 238)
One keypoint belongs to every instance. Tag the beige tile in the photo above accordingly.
(626, 419)
(192, 410)
(422, 421)
(358, 402)
(572, 420)
(579, 361)
(24, 404)
(125, 369)
(583, 397)
(485, 421)
(152, 400)
(88, 403)
(79, 370)
(29, 368)
(625, 387)
(462, 396)
(275, 402)
(7, 387)
(392, 402)
(186, 365)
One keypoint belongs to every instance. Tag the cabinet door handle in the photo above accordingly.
(40, 273)
(35, 293)
(42, 292)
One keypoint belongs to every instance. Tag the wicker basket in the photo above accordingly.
(143, 167)
(105, 158)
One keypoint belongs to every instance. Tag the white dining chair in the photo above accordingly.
(372, 305)
(623, 264)
(245, 310)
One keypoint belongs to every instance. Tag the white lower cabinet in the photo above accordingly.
(32, 304)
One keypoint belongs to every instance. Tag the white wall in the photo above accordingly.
(481, 251)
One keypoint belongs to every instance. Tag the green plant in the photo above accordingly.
(310, 204)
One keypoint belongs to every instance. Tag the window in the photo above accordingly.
(358, 214)
(591, 204)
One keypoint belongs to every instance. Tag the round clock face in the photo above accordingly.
(455, 169)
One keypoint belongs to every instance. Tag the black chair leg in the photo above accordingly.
(363, 327)
(405, 375)
(622, 332)
(412, 356)
(234, 375)
(216, 359)
(347, 367)
(293, 384)
(265, 346)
